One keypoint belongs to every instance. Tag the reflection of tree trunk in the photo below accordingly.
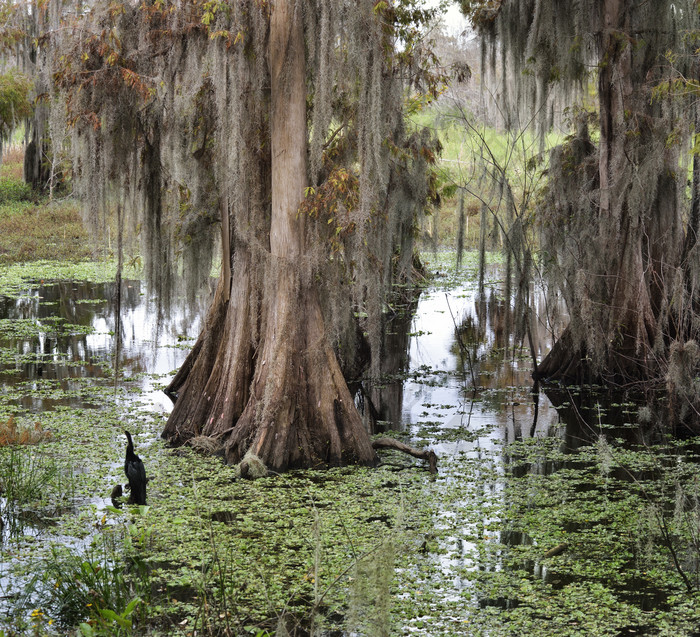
(580, 411)
(498, 311)
(118, 297)
(386, 394)
(565, 361)
(267, 380)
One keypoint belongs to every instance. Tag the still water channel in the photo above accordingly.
(547, 520)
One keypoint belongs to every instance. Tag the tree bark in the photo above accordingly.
(269, 382)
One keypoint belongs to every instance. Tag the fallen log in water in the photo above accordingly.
(391, 443)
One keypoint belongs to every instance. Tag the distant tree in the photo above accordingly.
(283, 124)
(615, 225)
(18, 31)
(15, 103)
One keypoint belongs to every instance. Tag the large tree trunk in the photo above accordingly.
(268, 382)
(619, 301)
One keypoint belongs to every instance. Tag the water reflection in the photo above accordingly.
(600, 479)
(469, 395)
(381, 400)
(63, 333)
(464, 372)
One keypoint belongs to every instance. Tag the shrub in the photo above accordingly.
(15, 190)
(11, 434)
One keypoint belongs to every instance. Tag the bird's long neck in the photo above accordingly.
(129, 446)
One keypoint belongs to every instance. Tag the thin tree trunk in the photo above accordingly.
(611, 20)
(691, 235)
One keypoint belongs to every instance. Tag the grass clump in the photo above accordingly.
(32, 228)
(31, 232)
(25, 477)
(31, 488)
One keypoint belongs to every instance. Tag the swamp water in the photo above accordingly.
(541, 521)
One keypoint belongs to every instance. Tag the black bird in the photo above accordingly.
(135, 473)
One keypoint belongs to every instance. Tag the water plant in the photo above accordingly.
(93, 585)
(371, 551)
(26, 477)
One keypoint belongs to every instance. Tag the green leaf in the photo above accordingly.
(131, 606)
(85, 630)
(110, 615)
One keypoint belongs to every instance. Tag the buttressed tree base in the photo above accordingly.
(279, 126)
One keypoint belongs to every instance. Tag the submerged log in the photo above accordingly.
(557, 550)
(423, 454)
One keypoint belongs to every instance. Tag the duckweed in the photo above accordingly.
(551, 528)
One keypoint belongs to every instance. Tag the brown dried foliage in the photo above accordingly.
(11, 434)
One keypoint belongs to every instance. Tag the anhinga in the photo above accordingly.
(135, 473)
